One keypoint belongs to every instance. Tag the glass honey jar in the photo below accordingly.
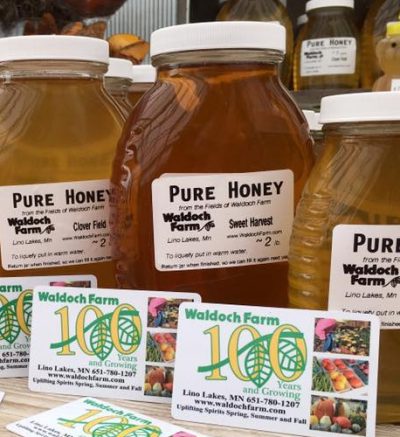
(144, 77)
(210, 167)
(58, 133)
(327, 53)
(345, 246)
(118, 81)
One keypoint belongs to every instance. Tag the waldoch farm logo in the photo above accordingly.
(188, 221)
(282, 353)
(95, 423)
(120, 330)
(31, 225)
(372, 275)
(15, 316)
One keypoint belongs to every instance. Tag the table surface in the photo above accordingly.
(20, 403)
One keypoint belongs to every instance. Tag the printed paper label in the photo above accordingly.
(395, 85)
(16, 317)
(304, 372)
(109, 343)
(53, 225)
(328, 56)
(94, 418)
(365, 271)
(224, 220)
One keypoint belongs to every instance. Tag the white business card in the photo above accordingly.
(93, 418)
(16, 315)
(108, 343)
(293, 371)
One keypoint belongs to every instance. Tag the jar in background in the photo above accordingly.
(118, 81)
(388, 54)
(316, 131)
(380, 13)
(263, 10)
(58, 130)
(344, 251)
(302, 20)
(210, 167)
(144, 77)
(327, 54)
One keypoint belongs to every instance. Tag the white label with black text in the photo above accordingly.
(365, 271)
(328, 56)
(54, 225)
(222, 220)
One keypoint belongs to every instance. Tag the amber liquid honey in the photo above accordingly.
(186, 125)
(118, 89)
(354, 182)
(329, 23)
(57, 130)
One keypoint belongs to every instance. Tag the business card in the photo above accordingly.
(93, 418)
(16, 315)
(309, 373)
(106, 343)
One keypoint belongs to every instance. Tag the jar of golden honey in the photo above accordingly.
(327, 53)
(58, 130)
(345, 247)
(118, 81)
(144, 77)
(210, 167)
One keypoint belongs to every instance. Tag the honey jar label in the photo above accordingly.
(91, 417)
(16, 317)
(328, 56)
(54, 225)
(395, 85)
(365, 271)
(108, 343)
(302, 372)
(222, 220)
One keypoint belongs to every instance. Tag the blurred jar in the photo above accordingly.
(316, 131)
(380, 13)
(144, 77)
(58, 130)
(388, 54)
(327, 55)
(118, 80)
(263, 10)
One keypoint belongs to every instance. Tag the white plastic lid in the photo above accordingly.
(302, 19)
(316, 4)
(121, 68)
(313, 120)
(54, 47)
(219, 35)
(144, 74)
(362, 107)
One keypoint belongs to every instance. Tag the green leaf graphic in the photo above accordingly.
(291, 359)
(9, 326)
(28, 310)
(257, 364)
(100, 340)
(113, 430)
(110, 430)
(127, 332)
